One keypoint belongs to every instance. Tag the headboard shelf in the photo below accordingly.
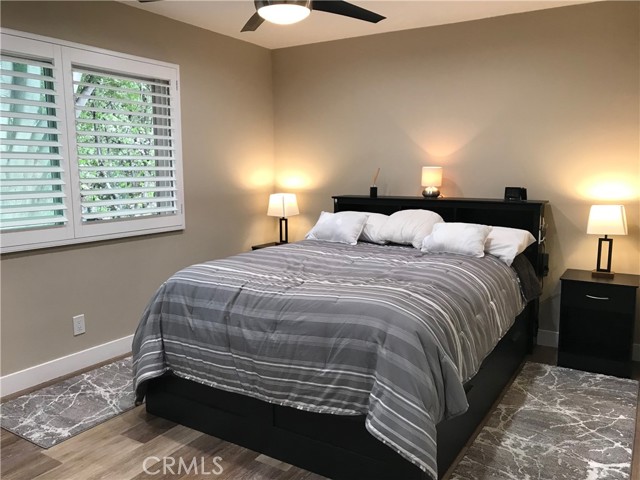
(526, 215)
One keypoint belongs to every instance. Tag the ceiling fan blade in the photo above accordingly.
(254, 22)
(346, 9)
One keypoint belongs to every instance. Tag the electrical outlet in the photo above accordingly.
(78, 325)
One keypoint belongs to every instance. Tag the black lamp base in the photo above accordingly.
(599, 274)
(284, 230)
(600, 271)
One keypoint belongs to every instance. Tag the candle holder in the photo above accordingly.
(373, 189)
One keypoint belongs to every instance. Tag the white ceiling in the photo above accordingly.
(228, 17)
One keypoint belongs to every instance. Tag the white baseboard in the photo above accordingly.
(38, 374)
(549, 338)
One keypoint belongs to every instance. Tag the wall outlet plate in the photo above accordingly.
(78, 325)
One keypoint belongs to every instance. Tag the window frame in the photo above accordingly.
(66, 56)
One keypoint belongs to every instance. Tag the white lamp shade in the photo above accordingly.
(283, 205)
(431, 176)
(284, 13)
(607, 220)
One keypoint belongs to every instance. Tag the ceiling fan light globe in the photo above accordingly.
(284, 13)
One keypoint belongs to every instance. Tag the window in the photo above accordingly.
(89, 144)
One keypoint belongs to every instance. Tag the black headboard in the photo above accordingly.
(526, 215)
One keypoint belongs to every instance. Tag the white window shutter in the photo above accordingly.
(125, 146)
(33, 190)
(90, 145)
(34, 187)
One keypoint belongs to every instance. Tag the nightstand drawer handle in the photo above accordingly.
(597, 298)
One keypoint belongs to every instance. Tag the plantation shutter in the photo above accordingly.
(90, 145)
(33, 190)
(126, 146)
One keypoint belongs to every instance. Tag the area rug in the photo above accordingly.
(558, 424)
(52, 414)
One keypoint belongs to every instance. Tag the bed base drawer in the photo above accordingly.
(338, 447)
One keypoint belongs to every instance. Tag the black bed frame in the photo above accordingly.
(339, 447)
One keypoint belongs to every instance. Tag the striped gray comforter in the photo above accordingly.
(384, 331)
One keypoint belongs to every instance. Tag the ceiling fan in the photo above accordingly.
(285, 12)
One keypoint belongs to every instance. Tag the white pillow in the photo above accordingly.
(371, 232)
(341, 227)
(461, 238)
(506, 243)
(409, 227)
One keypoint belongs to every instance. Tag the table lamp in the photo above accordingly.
(283, 205)
(606, 220)
(431, 180)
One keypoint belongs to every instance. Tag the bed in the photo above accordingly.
(322, 357)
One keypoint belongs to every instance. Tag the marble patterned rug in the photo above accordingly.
(556, 424)
(52, 414)
(552, 424)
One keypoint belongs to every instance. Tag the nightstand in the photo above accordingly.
(597, 318)
(265, 245)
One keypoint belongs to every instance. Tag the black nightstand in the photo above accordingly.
(265, 245)
(597, 317)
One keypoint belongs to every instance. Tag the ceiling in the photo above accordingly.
(228, 16)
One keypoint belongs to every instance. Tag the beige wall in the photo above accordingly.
(548, 100)
(227, 136)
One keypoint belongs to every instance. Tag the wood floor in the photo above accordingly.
(124, 446)
(127, 445)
